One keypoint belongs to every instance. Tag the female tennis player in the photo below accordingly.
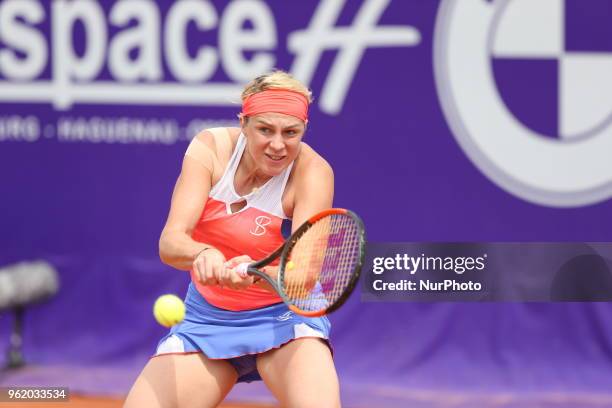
(240, 190)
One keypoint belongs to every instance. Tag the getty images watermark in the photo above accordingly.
(489, 271)
(414, 264)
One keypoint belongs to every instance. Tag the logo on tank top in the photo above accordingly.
(261, 222)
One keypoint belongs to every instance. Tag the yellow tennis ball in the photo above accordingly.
(169, 310)
(290, 265)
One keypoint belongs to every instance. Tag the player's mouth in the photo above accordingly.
(275, 158)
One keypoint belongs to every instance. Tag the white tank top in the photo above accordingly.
(267, 198)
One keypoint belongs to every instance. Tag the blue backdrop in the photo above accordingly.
(444, 121)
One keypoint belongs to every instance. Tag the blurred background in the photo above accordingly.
(471, 120)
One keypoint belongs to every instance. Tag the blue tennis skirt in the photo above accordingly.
(238, 336)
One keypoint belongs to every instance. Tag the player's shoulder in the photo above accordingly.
(312, 163)
(221, 140)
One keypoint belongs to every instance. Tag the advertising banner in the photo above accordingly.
(476, 129)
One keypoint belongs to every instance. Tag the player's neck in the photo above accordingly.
(248, 174)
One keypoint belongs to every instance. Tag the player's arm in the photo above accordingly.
(314, 192)
(176, 247)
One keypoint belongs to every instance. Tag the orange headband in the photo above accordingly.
(276, 100)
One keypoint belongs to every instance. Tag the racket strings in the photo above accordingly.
(323, 260)
(307, 258)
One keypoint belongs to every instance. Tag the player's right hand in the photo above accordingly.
(232, 278)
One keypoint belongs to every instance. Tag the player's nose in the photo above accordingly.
(277, 143)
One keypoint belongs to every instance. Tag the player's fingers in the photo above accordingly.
(228, 277)
(232, 283)
(217, 269)
(232, 263)
(239, 282)
(198, 268)
(209, 274)
(223, 275)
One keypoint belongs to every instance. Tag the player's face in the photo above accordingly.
(273, 140)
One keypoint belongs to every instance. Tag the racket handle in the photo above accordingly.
(241, 269)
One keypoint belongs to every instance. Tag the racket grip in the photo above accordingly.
(241, 269)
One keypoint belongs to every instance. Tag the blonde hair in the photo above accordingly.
(276, 80)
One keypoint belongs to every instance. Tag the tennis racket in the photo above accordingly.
(319, 264)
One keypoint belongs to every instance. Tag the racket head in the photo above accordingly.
(321, 262)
